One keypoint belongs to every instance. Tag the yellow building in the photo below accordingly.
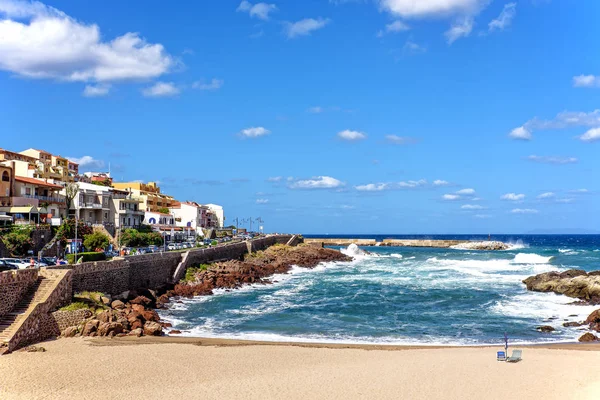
(152, 199)
(49, 166)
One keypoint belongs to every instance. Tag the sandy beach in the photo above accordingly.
(181, 368)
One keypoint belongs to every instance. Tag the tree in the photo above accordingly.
(71, 190)
(163, 210)
(95, 241)
(18, 241)
(45, 205)
(67, 231)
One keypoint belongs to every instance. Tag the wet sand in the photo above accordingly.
(192, 368)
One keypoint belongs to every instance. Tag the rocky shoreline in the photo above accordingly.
(573, 283)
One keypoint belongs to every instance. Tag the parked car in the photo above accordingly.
(5, 266)
(171, 246)
(17, 262)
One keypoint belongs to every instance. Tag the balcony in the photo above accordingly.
(96, 206)
(49, 199)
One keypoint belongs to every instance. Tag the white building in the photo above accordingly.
(217, 210)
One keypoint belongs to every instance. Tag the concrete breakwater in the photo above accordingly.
(443, 244)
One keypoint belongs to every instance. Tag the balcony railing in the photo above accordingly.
(91, 205)
(50, 199)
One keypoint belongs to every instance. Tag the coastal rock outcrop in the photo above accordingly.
(253, 270)
(485, 245)
(573, 283)
(588, 337)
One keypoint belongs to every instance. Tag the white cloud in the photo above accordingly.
(262, 201)
(43, 42)
(96, 90)
(412, 184)
(304, 27)
(459, 29)
(431, 8)
(468, 192)
(275, 179)
(504, 19)
(255, 132)
(589, 81)
(563, 120)
(351, 135)
(318, 182)
(472, 207)
(513, 197)
(161, 89)
(394, 27)
(552, 159)
(258, 10)
(565, 200)
(214, 84)
(520, 133)
(524, 211)
(482, 216)
(87, 162)
(547, 195)
(413, 48)
(395, 139)
(591, 135)
(450, 197)
(439, 182)
(315, 110)
(579, 191)
(372, 187)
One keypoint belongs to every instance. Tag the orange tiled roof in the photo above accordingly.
(36, 182)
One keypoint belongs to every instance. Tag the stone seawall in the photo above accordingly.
(13, 285)
(386, 242)
(151, 271)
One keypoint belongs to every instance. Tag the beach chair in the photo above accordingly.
(516, 356)
(501, 356)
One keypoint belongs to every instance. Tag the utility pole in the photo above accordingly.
(75, 259)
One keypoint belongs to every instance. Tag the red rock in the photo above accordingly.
(593, 317)
(71, 331)
(588, 337)
(90, 327)
(137, 324)
(166, 324)
(105, 316)
(152, 328)
(174, 332)
(136, 332)
(138, 308)
(118, 304)
(151, 315)
(143, 300)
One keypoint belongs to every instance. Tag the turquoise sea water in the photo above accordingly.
(404, 296)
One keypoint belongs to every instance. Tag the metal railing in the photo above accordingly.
(59, 199)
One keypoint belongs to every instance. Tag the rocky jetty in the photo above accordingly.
(573, 283)
(485, 245)
(131, 314)
(255, 268)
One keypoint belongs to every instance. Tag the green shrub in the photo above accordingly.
(18, 240)
(190, 273)
(67, 231)
(86, 257)
(96, 240)
(78, 305)
(135, 238)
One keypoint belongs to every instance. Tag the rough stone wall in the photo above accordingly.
(110, 277)
(152, 270)
(39, 324)
(13, 285)
(65, 319)
(40, 238)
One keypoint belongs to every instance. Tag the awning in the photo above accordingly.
(5, 218)
(23, 210)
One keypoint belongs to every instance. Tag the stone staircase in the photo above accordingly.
(12, 321)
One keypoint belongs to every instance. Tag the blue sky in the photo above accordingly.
(372, 116)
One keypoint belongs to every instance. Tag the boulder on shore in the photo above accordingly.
(573, 283)
(588, 337)
(545, 328)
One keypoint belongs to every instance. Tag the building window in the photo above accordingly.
(5, 177)
(105, 215)
(28, 191)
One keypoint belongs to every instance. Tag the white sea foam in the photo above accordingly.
(396, 255)
(530, 258)
(517, 245)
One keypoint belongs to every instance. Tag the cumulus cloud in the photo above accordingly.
(395, 139)
(372, 187)
(318, 182)
(579, 191)
(254, 132)
(431, 8)
(214, 84)
(451, 197)
(96, 90)
(412, 184)
(504, 19)
(472, 207)
(262, 201)
(274, 179)
(552, 159)
(513, 197)
(440, 182)
(563, 120)
(482, 216)
(304, 27)
(588, 81)
(87, 162)
(459, 29)
(394, 27)
(468, 192)
(161, 89)
(520, 133)
(591, 135)
(524, 211)
(547, 195)
(351, 135)
(38, 41)
(258, 10)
